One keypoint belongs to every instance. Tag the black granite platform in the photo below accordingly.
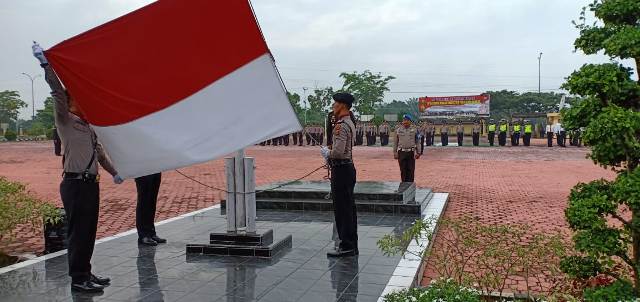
(166, 273)
(393, 198)
(260, 244)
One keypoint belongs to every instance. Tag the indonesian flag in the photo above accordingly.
(175, 83)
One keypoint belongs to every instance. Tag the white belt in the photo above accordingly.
(407, 150)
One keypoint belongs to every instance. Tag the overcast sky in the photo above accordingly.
(433, 47)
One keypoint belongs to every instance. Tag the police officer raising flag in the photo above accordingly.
(405, 148)
(343, 176)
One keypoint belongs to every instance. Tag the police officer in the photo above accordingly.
(444, 133)
(79, 190)
(148, 187)
(491, 131)
(405, 149)
(528, 129)
(384, 134)
(475, 132)
(343, 177)
(502, 136)
(549, 135)
(515, 135)
(460, 132)
(432, 130)
(295, 138)
(301, 138)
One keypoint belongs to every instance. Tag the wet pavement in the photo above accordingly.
(167, 273)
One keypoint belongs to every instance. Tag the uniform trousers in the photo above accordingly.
(476, 139)
(527, 139)
(148, 187)
(343, 181)
(81, 200)
(492, 136)
(502, 138)
(444, 139)
(549, 139)
(460, 138)
(407, 162)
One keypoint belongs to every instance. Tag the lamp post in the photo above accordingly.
(539, 59)
(33, 107)
(306, 108)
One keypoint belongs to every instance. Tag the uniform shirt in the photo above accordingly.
(405, 138)
(78, 139)
(504, 127)
(343, 139)
(384, 129)
(492, 128)
(549, 128)
(359, 129)
(444, 129)
(460, 129)
(476, 128)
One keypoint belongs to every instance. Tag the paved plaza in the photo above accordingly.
(510, 184)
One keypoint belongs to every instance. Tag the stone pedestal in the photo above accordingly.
(260, 244)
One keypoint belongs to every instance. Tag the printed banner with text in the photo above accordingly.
(452, 106)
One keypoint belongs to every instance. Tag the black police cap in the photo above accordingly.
(345, 98)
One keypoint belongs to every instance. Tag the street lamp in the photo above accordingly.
(306, 108)
(33, 107)
(539, 59)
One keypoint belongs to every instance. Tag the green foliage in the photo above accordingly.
(440, 290)
(45, 116)
(18, 207)
(484, 256)
(505, 102)
(321, 99)
(616, 292)
(367, 88)
(610, 117)
(10, 105)
(10, 135)
(580, 267)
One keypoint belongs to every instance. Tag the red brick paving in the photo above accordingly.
(525, 185)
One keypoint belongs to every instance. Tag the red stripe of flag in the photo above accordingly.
(155, 57)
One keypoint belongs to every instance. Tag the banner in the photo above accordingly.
(455, 106)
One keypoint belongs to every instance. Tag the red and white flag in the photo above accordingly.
(175, 83)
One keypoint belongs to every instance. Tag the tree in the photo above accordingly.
(321, 99)
(504, 103)
(609, 114)
(367, 88)
(45, 116)
(10, 105)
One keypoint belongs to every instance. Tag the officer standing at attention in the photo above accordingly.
(343, 176)
(432, 130)
(460, 133)
(502, 136)
(491, 132)
(384, 134)
(79, 190)
(549, 135)
(515, 136)
(528, 129)
(444, 133)
(148, 188)
(405, 149)
(476, 133)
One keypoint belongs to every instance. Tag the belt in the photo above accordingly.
(340, 162)
(80, 176)
(407, 150)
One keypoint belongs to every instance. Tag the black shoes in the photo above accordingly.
(152, 240)
(87, 287)
(100, 280)
(147, 241)
(158, 239)
(342, 253)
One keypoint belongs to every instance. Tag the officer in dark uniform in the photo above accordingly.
(475, 132)
(460, 133)
(148, 188)
(444, 133)
(343, 176)
(502, 135)
(79, 190)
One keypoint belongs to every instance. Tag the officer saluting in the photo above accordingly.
(79, 190)
(405, 149)
(343, 176)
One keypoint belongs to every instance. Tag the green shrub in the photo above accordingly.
(440, 290)
(10, 135)
(619, 291)
(18, 207)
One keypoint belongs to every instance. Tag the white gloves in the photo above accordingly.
(325, 152)
(38, 52)
(118, 179)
